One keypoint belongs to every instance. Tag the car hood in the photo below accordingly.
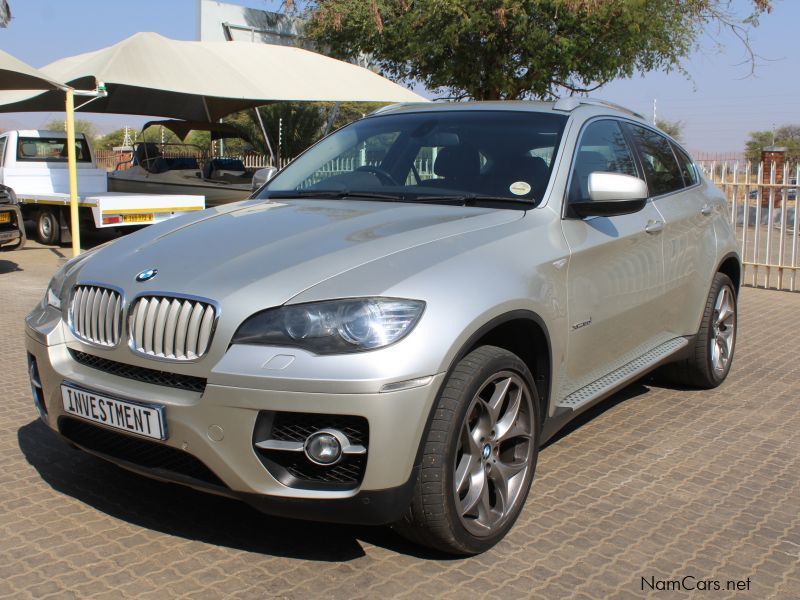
(262, 253)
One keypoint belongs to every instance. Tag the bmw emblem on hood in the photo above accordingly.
(146, 275)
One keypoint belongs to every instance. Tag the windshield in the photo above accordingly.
(430, 156)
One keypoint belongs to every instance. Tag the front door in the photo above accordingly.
(615, 276)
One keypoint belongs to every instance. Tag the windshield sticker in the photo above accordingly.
(519, 188)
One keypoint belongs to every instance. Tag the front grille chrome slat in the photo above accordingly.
(172, 328)
(158, 330)
(101, 314)
(95, 314)
(169, 326)
(181, 328)
(150, 325)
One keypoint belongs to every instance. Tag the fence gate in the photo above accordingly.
(762, 200)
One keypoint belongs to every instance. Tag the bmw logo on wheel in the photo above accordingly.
(146, 275)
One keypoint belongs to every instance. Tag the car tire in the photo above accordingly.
(468, 494)
(48, 230)
(711, 356)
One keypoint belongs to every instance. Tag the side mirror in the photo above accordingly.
(612, 194)
(262, 176)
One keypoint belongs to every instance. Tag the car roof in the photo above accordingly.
(579, 106)
(47, 133)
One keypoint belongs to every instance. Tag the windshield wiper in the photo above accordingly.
(475, 199)
(338, 194)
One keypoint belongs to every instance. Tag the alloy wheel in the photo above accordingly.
(494, 454)
(723, 330)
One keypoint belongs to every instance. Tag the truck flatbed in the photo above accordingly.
(33, 163)
(112, 209)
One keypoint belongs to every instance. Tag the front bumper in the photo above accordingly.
(12, 234)
(217, 428)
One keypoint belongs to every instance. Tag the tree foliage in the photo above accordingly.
(87, 128)
(514, 49)
(787, 136)
(294, 126)
(671, 128)
(110, 140)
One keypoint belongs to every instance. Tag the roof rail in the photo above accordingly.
(570, 103)
(382, 109)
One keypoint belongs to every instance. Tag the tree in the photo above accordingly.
(110, 140)
(81, 126)
(787, 136)
(514, 49)
(293, 126)
(351, 111)
(671, 128)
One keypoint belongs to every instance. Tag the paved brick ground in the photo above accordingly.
(655, 482)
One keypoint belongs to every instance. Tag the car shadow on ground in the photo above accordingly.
(183, 512)
(187, 513)
(634, 390)
(8, 266)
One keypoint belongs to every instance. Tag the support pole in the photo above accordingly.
(266, 137)
(73, 175)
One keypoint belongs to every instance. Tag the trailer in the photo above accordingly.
(33, 163)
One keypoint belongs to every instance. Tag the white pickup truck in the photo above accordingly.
(34, 164)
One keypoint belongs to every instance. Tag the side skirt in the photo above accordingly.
(584, 398)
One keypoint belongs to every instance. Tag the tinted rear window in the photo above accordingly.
(688, 169)
(50, 150)
(660, 166)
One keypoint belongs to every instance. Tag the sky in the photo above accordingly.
(718, 105)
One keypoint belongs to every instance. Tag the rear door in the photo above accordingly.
(615, 277)
(689, 239)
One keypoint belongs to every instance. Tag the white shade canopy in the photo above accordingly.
(16, 75)
(148, 74)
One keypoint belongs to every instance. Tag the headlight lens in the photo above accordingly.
(52, 296)
(333, 327)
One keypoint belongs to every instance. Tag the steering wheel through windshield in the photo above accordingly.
(383, 175)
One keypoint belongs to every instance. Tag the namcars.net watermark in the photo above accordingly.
(691, 583)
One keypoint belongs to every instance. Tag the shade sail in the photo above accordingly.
(217, 130)
(148, 74)
(16, 75)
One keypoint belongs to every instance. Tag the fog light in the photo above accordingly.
(323, 448)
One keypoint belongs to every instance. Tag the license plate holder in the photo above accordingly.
(137, 218)
(140, 418)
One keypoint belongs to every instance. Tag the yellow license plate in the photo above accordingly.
(5, 217)
(137, 217)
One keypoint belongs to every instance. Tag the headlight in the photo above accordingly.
(333, 327)
(52, 296)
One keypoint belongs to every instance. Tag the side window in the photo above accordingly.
(688, 170)
(658, 160)
(602, 148)
(2, 150)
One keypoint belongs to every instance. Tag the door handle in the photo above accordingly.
(654, 226)
(706, 210)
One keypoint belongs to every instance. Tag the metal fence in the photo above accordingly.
(762, 200)
(111, 159)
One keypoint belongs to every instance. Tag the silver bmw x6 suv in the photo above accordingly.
(388, 331)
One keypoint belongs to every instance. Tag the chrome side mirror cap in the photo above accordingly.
(608, 187)
(610, 195)
(262, 176)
